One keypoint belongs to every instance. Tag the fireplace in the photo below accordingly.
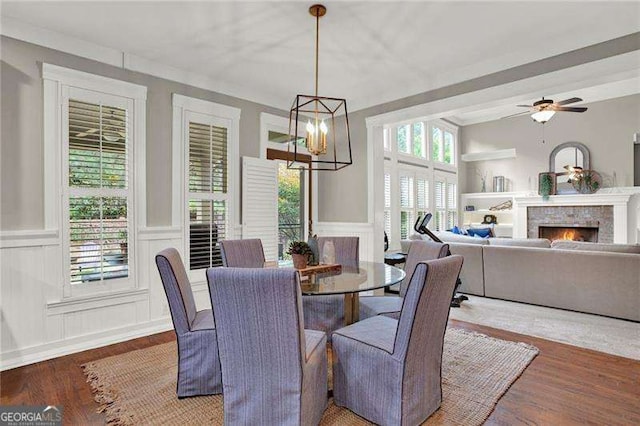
(568, 232)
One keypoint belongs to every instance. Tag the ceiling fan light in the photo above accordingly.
(542, 116)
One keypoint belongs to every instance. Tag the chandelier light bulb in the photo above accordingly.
(323, 127)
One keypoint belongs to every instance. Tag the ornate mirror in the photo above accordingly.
(564, 157)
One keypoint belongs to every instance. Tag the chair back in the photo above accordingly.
(347, 249)
(177, 288)
(242, 253)
(421, 251)
(423, 322)
(260, 328)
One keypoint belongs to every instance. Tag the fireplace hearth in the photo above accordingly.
(555, 232)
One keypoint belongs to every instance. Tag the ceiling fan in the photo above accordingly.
(542, 110)
(113, 129)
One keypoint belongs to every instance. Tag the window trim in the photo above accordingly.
(57, 82)
(183, 107)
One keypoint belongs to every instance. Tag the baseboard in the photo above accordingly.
(21, 357)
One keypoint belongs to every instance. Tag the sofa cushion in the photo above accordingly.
(582, 245)
(520, 242)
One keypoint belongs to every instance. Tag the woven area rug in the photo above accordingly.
(139, 387)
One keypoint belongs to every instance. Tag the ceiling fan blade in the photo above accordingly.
(525, 106)
(569, 101)
(516, 114)
(569, 109)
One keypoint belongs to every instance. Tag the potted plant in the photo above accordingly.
(300, 252)
(546, 185)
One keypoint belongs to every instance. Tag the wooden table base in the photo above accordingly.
(351, 308)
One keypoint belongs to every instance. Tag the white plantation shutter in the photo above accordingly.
(406, 192)
(440, 200)
(439, 194)
(422, 194)
(207, 193)
(260, 203)
(387, 190)
(387, 203)
(452, 205)
(452, 196)
(98, 192)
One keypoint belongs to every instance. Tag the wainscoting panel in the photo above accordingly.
(38, 323)
(348, 229)
(91, 321)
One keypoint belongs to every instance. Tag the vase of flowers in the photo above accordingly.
(300, 252)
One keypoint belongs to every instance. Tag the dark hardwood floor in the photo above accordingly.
(564, 384)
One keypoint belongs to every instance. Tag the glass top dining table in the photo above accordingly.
(350, 281)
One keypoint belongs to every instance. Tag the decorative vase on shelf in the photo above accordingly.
(299, 261)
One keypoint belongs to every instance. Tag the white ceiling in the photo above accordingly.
(370, 52)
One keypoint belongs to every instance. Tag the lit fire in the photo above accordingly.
(569, 234)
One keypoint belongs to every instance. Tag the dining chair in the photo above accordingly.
(242, 253)
(326, 313)
(419, 251)
(389, 371)
(274, 372)
(198, 364)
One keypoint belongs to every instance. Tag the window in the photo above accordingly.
(294, 186)
(446, 204)
(387, 141)
(420, 177)
(290, 208)
(99, 191)
(410, 139)
(207, 200)
(443, 143)
(402, 137)
(205, 155)
(93, 127)
(407, 202)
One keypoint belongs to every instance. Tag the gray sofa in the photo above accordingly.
(601, 279)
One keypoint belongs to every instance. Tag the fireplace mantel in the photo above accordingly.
(619, 199)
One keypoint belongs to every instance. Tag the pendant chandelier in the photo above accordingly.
(319, 125)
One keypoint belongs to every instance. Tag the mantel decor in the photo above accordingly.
(325, 122)
(587, 182)
(546, 184)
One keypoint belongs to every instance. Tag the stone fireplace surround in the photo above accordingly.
(600, 217)
(618, 226)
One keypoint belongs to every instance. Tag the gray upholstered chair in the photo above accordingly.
(198, 363)
(242, 253)
(274, 372)
(389, 371)
(326, 313)
(419, 251)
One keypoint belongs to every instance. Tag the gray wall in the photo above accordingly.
(606, 128)
(21, 151)
(347, 189)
